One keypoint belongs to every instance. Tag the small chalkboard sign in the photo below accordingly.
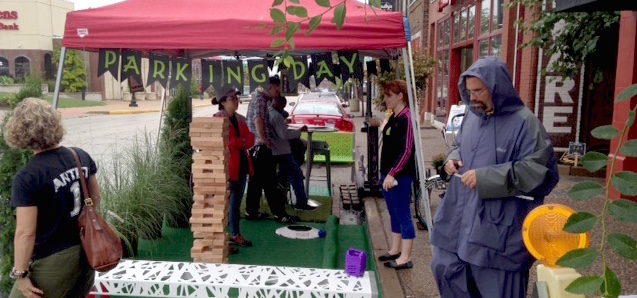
(576, 149)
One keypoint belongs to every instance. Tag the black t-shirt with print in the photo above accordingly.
(50, 181)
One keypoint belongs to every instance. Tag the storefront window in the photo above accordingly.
(496, 44)
(484, 47)
(447, 31)
(441, 34)
(485, 16)
(456, 27)
(463, 25)
(472, 20)
(498, 7)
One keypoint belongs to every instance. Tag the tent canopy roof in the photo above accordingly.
(207, 28)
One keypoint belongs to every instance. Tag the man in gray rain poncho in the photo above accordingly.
(507, 167)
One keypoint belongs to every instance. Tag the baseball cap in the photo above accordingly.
(231, 91)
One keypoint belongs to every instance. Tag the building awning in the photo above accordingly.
(594, 5)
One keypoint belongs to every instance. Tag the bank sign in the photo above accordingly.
(227, 73)
(558, 104)
(6, 20)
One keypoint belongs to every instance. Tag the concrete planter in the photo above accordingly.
(151, 96)
(139, 96)
(126, 96)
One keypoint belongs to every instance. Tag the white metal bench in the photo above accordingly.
(141, 278)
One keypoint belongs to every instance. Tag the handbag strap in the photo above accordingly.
(87, 199)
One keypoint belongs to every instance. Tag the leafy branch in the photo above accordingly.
(572, 36)
(622, 210)
(279, 14)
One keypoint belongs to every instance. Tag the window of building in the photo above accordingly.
(485, 16)
(456, 27)
(463, 25)
(484, 47)
(498, 7)
(442, 78)
(490, 37)
(447, 24)
(4, 66)
(496, 44)
(48, 67)
(22, 67)
(471, 21)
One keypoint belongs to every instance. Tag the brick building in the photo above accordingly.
(461, 31)
(27, 30)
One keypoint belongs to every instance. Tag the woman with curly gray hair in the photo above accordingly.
(49, 261)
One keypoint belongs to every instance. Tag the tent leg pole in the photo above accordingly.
(58, 79)
(415, 123)
(413, 78)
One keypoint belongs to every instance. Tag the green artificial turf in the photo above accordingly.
(319, 215)
(269, 248)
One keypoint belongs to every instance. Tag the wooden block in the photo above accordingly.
(208, 220)
(221, 190)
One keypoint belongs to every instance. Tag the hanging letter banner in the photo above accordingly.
(131, 65)
(258, 70)
(158, 70)
(211, 75)
(323, 68)
(350, 65)
(181, 73)
(108, 61)
(298, 73)
(233, 74)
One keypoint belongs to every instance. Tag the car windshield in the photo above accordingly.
(320, 96)
(313, 108)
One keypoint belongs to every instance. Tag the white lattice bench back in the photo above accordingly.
(176, 279)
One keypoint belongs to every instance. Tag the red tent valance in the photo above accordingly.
(206, 28)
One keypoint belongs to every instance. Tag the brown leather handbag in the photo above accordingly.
(102, 246)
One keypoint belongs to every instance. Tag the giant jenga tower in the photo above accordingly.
(210, 173)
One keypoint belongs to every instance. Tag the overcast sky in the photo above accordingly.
(84, 4)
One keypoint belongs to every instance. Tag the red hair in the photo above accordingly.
(397, 87)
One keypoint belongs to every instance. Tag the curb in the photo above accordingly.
(389, 281)
(125, 112)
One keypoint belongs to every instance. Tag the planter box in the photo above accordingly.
(151, 96)
(126, 96)
(140, 96)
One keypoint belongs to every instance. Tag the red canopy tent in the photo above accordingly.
(205, 28)
(211, 27)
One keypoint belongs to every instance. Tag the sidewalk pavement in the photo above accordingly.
(419, 281)
(119, 107)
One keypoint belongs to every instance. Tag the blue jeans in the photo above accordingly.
(293, 171)
(236, 195)
(398, 200)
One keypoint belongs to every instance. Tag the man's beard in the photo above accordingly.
(478, 106)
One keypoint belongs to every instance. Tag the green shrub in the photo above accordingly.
(176, 150)
(138, 188)
(6, 80)
(32, 88)
(11, 161)
(51, 85)
(74, 77)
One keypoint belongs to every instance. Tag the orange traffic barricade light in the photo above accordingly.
(544, 236)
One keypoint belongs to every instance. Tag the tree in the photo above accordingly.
(287, 29)
(573, 36)
(74, 77)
